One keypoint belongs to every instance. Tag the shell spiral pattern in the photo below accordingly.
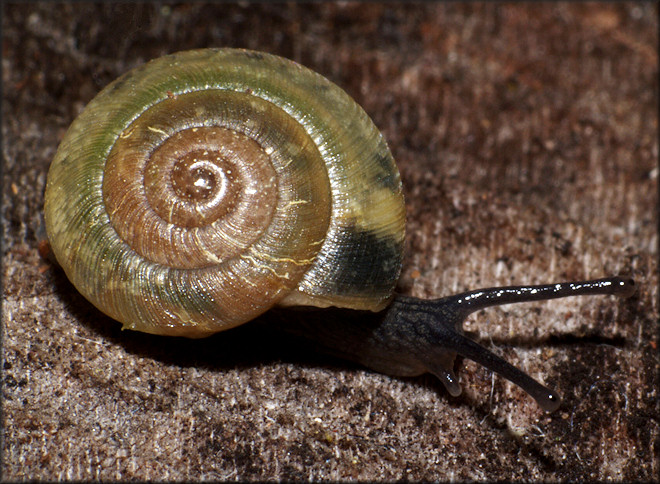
(201, 189)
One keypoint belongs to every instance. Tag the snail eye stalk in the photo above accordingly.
(441, 326)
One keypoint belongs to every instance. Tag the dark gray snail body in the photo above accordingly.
(206, 187)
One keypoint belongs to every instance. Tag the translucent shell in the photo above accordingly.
(201, 189)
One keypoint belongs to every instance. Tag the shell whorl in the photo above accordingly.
(199, 190)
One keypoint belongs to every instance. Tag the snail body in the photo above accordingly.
(206, 187)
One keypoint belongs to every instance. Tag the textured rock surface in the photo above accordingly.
(526, 136)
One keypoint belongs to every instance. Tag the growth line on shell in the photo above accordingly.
(302, 262)
(293, 203)
(127, 132)
(207, 252)
(262, 266)
(247, 281)
(156, 130)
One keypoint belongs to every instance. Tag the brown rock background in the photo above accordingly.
(526, 136)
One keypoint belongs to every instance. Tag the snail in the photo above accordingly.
(204, 188)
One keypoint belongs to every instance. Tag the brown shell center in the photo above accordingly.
(205, 172)
(206, 194)
(195, 178)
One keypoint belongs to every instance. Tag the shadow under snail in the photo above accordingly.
(204, 188)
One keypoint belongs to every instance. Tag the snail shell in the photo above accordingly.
(199, 190)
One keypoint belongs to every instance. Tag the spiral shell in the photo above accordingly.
(203, 188)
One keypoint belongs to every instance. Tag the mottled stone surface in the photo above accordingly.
(526, 136)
